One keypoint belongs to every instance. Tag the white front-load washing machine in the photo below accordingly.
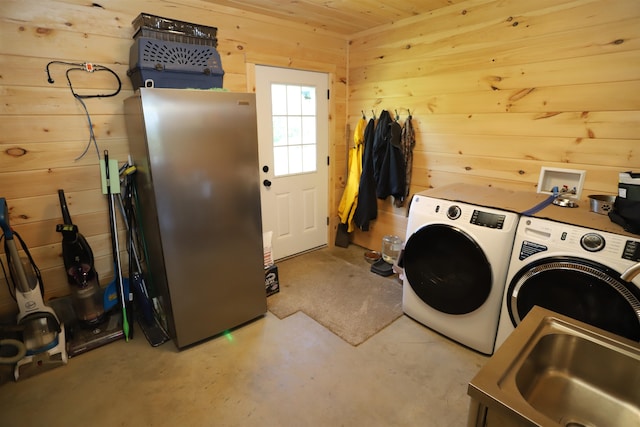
(574, 271)
(455, 261)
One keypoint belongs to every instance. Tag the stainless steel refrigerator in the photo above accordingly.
(196, 154)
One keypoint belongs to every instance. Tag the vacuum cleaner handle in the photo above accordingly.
(75, 248)
(66, 217)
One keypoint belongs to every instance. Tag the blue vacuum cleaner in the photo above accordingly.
(43, 335)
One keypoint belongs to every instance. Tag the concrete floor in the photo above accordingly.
(270, 372)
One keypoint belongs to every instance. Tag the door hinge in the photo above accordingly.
(327, 220)
(328, 161)
(328, 94)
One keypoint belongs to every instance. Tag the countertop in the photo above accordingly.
(520, 201)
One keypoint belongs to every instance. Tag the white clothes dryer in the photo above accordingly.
(574, 271)
(455, 262)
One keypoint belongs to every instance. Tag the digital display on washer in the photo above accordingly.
(486, 219)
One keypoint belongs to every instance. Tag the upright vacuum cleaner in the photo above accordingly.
(43, 334)
(94, 324)
(81, 273)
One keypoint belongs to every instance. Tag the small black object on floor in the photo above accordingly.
(342, 236)
(382, 268)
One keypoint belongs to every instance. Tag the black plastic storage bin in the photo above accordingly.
(167, 64)
(157, 27)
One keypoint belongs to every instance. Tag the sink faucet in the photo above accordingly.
(631, 272)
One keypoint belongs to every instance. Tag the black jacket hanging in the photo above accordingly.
(388, 158)
(367, 208)
(380, 139)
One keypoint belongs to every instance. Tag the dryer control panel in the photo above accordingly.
(487, 219)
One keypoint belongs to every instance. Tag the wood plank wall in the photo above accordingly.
(44, 128)
(498, 89)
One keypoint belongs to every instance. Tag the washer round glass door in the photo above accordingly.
(447, 269)
(584, 290)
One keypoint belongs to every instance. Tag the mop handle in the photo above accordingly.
(114, 243)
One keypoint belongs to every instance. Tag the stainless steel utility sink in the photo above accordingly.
(580, 382)
(556, 371)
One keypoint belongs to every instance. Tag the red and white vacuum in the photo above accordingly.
(42, 346)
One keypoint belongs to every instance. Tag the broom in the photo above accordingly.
(110, 169)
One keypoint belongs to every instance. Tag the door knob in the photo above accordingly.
(266, 183)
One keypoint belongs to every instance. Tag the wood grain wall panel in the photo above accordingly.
(55, 155)
(45, 128)
(516, 79)
(38, 41)
(599, 124)
(43, 232)
(608, 96)
(498, 31)
(499, 89)
(41, 182)
(48, 101)
(41, 208)
(587, 151)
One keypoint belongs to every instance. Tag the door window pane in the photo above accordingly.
(279, 99)
(294, 100)
(294, 129)
(295, 159)
(309, 130)
(280, 161)
(279, 131)
(308, 95)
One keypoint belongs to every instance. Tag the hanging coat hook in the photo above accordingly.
(374, 114)
(363, 116)
(397, 116)
(409, 112)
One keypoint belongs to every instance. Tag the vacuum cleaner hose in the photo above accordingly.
(18, 348)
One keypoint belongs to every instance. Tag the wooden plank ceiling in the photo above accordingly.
(344, 17)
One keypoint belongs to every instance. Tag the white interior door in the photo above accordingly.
(293, 145)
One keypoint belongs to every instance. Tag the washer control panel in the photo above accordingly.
(592, 242)
(540, 235)
(631, 250)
